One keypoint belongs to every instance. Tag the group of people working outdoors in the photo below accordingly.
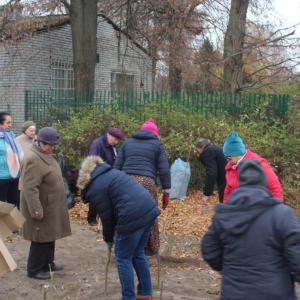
(254, 239)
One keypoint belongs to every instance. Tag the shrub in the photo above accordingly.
(180, 128)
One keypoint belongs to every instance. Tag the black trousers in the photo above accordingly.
(221, 189)
(41, 255)
(92, 214)
(9, 191)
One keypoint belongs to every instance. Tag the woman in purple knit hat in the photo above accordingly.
(105, 147)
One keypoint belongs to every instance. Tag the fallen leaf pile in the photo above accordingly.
(182, 224)
(187, 217)
(79, 211)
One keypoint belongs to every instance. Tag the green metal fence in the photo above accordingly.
(46, 106)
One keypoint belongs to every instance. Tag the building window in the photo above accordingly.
(62, 78)
(122, 83)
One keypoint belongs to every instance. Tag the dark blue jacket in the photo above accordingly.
(214, 162)
(255, 241)
(102, 148)
(121, 202)
(144, 154)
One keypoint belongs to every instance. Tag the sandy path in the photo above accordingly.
(84, 254)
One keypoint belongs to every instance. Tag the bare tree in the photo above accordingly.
(270, 55)
(200, 74)
(251, 55)
(253, 52)
(256, 52)
(166, 27)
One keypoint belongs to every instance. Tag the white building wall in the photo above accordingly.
(119, 54)
(12, 84)
(27, 65)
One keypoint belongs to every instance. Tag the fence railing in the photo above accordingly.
(46, 106)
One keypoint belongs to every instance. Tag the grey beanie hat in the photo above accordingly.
(250, 172)
(26, 125)
(48, 135)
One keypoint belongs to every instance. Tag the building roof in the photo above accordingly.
(24, 27)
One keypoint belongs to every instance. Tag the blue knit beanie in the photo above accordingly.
(234, 145)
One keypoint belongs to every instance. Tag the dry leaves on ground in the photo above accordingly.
(187, 217)
(182, 224)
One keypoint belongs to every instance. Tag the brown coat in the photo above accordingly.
(43, 192)
(24, 142)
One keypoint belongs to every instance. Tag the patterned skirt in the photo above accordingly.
(152, 247)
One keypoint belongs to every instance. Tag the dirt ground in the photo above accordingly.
(84, 255)
(182, 273)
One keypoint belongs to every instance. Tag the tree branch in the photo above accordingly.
(66, 4)
(268, 41)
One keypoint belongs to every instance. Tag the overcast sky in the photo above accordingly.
(288, 9)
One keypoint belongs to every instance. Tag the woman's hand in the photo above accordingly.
(39, 217)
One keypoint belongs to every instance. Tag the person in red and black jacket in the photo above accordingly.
(235, 151)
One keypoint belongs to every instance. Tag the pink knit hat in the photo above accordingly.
(150, 125)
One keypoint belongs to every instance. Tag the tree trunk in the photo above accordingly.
(153, 73)
(83, 17)
(153, 54)
(175, 69)
(175, 78)
(233, 46)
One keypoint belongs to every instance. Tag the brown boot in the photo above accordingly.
(142, 297)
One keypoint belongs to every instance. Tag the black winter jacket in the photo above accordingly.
(214, 162)
(255, 241)
(144, 154)
(122, 203)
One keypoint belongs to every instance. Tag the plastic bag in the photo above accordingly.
(70, 176)
(180, 177)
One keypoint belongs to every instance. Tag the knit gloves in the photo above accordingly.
(166, 200)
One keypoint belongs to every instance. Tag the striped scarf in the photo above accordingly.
(14, 152)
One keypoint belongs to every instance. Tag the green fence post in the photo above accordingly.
(286, 107)
(26, 106)
(44, 105)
